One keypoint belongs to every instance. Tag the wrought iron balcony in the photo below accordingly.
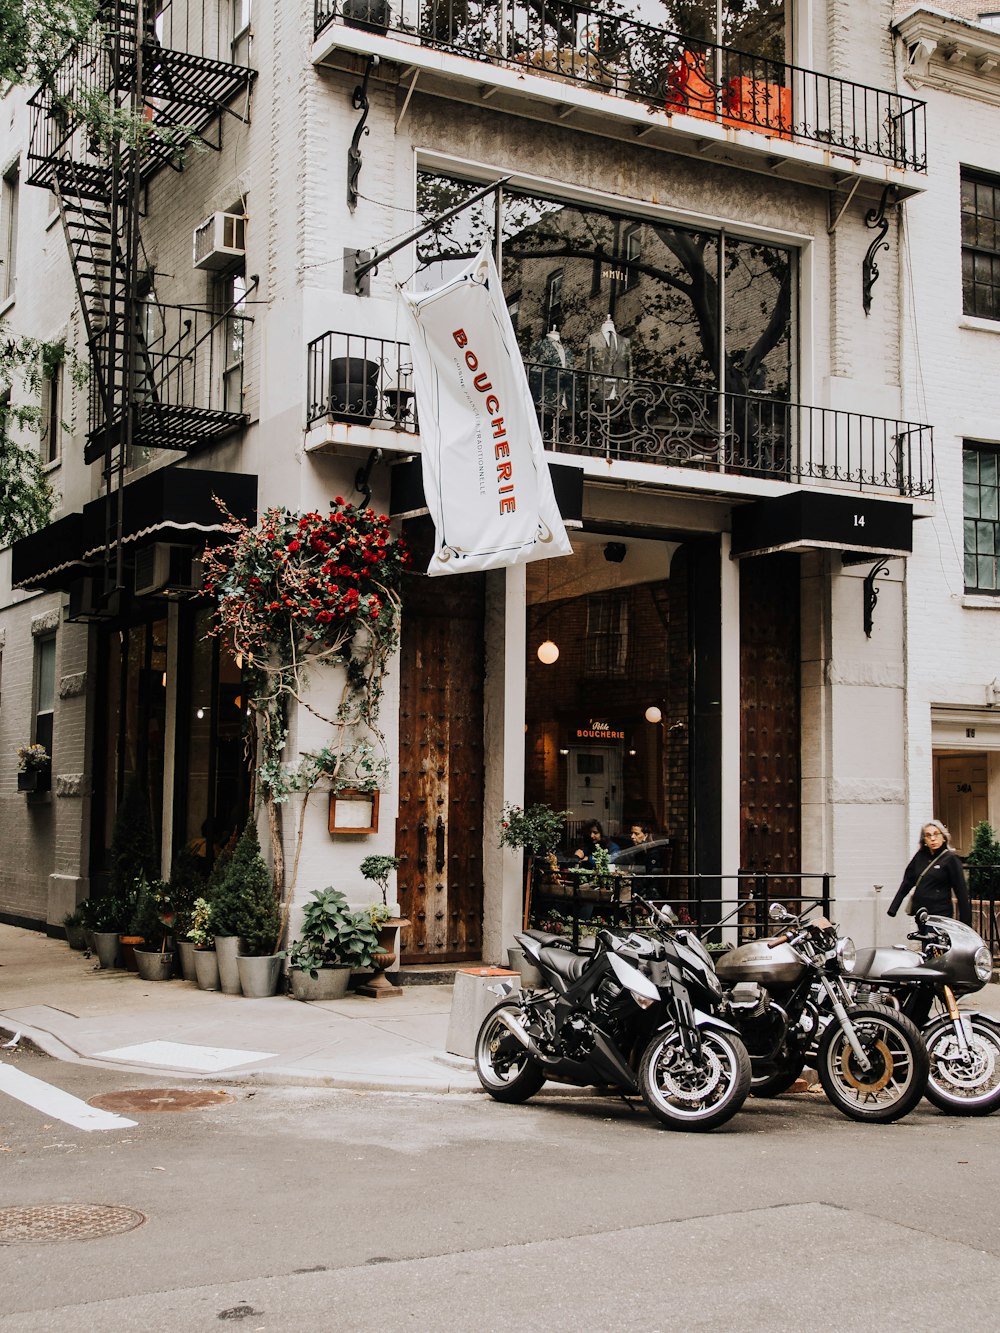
(619, 54)
(189, 69)
(186, 380)
(368, 381)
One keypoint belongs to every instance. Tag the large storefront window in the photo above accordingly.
(608, 725)
(210, 794)
(641, 338)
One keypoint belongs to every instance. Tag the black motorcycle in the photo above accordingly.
(964, 1047)
(789, 999)
(623, 1014)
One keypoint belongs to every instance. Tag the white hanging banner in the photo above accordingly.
(486, 478)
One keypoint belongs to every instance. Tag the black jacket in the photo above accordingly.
(937, 886)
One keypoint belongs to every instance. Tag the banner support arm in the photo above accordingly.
(364, 266)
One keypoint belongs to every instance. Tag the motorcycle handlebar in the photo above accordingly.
(778, 939)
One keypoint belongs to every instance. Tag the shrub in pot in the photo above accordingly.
(106, 917)
(332, 942)
(224, 893)
(73, 925)
(201, 935)
(187, 883)
(247, 905)
(153, 921)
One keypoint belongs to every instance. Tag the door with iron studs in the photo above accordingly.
(439, 832)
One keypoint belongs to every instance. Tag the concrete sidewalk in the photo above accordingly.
(69, 1008)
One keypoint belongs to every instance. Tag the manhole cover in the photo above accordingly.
(65, 1221)
(160, 1099)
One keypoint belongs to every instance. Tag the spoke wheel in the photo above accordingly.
(505, 1069)
(964, 1083)
(683, 1093)
(897, 1075)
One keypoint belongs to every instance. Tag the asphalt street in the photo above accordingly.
(278, 1208)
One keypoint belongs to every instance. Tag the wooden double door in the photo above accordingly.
(439, 832)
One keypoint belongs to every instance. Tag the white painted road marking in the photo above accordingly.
(55, 1103)
(181, 1055)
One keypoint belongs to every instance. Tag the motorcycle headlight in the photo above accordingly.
(983, 963)
(847, 953)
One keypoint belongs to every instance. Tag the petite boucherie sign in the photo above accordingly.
(597, 730)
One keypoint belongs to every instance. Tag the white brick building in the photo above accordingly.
(707, 190)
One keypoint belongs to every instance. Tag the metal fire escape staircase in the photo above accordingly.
(144, 392)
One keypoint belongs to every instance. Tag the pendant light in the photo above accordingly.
(547, 652)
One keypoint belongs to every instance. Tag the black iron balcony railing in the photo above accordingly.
(187, 379)
(616, 53)
(368, 381)
(192, 67)
(361, 382)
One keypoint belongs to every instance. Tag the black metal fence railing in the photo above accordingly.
(187, 375)
(721, 909)
(369, 381)
(620, 54)
(748, 434)
(984, 889)
(360, 381)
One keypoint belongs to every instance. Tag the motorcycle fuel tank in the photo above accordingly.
(756, 962)
(886, 961)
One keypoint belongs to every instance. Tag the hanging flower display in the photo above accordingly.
(295, 591)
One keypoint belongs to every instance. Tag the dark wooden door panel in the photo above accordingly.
(439, 835)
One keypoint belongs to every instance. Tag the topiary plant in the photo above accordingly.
(246, 904)
(983, 861)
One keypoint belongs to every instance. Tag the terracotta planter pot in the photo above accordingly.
(128, 945)
(206, 969)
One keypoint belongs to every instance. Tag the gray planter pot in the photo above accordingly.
(206, 969)
(106, 947)
(187, 952)
(227, 948)
(331, 984)
(154, 964)
(259, 976)
(75, 937)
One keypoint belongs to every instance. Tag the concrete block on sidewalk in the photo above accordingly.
(471, 1001)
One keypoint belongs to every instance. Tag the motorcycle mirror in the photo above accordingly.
(778, 912)
(668, 914)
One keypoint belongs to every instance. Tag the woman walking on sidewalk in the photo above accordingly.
(934, 874)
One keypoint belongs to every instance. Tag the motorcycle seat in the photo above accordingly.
(558, 941)
(570, 966)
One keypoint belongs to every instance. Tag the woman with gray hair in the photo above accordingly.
(934, 874)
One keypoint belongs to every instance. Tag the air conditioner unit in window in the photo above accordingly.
(221, 239)
(87, 602)
(166, 570)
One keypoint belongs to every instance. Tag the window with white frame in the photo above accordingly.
(45, 690)
(980, 244)
(9, 191)
(241, 18)
(981, 505)
(52, 408)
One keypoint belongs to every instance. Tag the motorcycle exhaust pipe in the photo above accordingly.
(515, 1029)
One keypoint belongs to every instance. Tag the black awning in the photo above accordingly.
(50, 558)
(406, 490)
(823, 520)
(175, 504)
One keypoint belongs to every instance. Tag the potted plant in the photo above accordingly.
(201, 934)
(34, 768)
(107, 917)
(377, 869)
(224, 893)
(332, 941)
(247, 893)
(535, 830)
(133, 859)
(153, 921)
(187, 884)
(371, 15)
(73, 925)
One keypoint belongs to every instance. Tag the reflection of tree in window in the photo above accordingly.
(553, 299)
(607, 635)
(758, 27)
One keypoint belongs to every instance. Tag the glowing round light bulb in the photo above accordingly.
(653, 714)
(548, 652)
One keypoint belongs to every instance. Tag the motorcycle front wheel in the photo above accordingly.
(897, 1076)
(505, 1068)
(684, 1093)
(963, 1083)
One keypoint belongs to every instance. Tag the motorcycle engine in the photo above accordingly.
(747, 1000)
(576, 1037)
(760, 1025)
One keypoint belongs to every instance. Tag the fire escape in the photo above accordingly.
(165, 66)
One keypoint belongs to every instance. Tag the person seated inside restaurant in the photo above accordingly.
(646, 860)
(592, 838)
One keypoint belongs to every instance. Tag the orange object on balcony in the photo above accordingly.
(752, 104)
(688, 89)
